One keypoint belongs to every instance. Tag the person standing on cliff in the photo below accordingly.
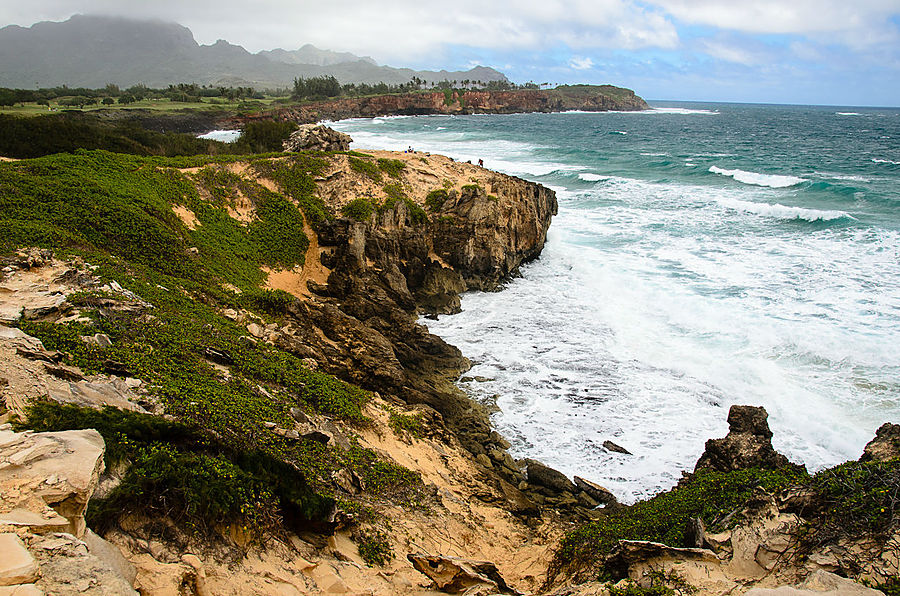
(480, 163)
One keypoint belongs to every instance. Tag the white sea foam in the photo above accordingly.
(680, 111)
(225, 136)
(591, 177)
(779, 211)
(770, 180)
(618, 132)
(848, 114)
(888, 161)
(656, 306)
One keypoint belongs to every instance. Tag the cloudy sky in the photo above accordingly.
(841, 52)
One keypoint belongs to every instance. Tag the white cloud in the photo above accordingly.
(857, 23)
(581, 63)
(400, 30)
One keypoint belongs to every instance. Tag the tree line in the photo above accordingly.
(326, 87)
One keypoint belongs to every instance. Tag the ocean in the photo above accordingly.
(704, 255)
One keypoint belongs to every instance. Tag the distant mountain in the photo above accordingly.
(92, 51)
(310, 54)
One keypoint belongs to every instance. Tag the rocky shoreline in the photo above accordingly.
(457, 514)
(582, 97)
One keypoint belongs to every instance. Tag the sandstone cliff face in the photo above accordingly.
(469, 102)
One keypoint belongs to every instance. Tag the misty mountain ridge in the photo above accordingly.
(93, 51)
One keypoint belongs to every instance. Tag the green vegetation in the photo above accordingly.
(186, 474)
(436, 199)
(403, 424)
(391, 167)
(115, 211)
(295, 175)
(374, 547)
(396, 194)
(360, 209)
(853, 500)
(366, 167)
(660, 585)
(709, 495)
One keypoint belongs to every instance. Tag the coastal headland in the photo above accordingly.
(214, 381)
(592, 98)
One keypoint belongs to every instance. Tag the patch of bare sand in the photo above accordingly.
(465, 526)
(244, 170)
(294, 281)
(186, 216)
(423, 173)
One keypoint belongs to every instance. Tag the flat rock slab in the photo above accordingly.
(17, 566)
(21, 590)
(819, 583)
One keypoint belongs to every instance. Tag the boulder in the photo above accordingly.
(610, 446)
(43, 470)
(747, 445)
(595, 491)
(315, 137)
(455, 576)
(885, 445)
(541, 475)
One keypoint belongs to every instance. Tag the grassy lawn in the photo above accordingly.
(161, 105)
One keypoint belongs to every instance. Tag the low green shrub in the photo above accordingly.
(374, 548)
(709, 495)
(436, 199)
(360, 209)
(391, 167)
(366, 167)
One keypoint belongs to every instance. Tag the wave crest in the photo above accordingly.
(779, 211)
(757, 179)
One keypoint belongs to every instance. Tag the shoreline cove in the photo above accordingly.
(548, 385)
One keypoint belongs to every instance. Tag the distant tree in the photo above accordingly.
(108, 101)
(126, 98)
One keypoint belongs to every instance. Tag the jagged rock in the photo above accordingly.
(63, 468)
(69, 567)
(455, 576)
(610, 446)
(885, 445)
(517, 501)
(61, 371)
(747, 445)
(314, 137)
(821, 583)
(629, 553)
(595, 491)
(547, 477)
(17, 566)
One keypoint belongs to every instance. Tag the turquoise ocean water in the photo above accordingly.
(704, 255)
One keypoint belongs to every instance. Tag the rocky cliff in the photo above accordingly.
(217, 365)
(582, 97)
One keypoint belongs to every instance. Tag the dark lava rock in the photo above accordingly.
(541, 475)
(595, 491)
(748, 444)
(610, 446)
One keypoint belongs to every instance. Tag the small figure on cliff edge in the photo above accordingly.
(480, 163)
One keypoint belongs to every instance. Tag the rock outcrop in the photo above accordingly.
(885, 445)
(590, 98)
(314, 137)
(747, 445)
(46, 482)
